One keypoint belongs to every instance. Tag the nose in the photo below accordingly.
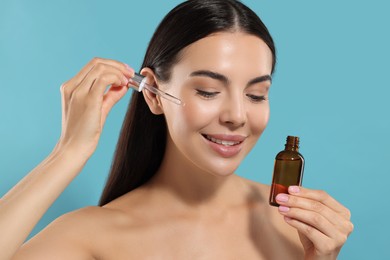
(234, 112)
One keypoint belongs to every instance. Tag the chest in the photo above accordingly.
(184, 242)
(180, 238)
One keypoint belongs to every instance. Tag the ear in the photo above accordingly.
(151, 99)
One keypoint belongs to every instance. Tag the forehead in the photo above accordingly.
(226, 52)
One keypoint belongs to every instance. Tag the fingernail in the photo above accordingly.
(293, 189)
(283, 208)
(125, 81)
(130, 69)
(282, 197)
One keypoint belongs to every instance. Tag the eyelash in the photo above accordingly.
(256, 99)
(206, 94)
(209, 95)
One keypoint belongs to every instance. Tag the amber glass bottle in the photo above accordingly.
(288, 169)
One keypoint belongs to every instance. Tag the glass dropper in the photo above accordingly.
(138, 82)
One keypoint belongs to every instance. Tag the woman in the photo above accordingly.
(172, 192)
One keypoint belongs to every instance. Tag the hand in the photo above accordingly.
(323, 224)
(86, 103)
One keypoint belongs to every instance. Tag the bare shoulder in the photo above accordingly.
(91, 232)
(257, 191)
(271, 217)
(71, 236)
(260, 193)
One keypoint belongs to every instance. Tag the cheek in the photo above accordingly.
(193, 116)
(258, 120)
(196, 114)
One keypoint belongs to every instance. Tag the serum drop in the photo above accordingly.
(288, 169)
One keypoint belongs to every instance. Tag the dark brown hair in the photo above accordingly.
(142, 140)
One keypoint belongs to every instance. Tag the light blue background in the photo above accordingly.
(330, 88)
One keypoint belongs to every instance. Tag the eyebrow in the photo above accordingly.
(225, 80)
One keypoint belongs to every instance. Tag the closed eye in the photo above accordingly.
(206, 94)
(256, 99)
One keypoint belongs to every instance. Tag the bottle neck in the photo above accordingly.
(292, 144)
(292, 148)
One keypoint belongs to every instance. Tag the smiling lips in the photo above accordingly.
(225, 145)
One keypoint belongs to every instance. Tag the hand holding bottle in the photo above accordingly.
(322, 222)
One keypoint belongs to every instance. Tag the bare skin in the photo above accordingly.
(139, 226)
(85, 106)
(195, 206)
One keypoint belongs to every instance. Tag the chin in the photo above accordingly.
(223, 168)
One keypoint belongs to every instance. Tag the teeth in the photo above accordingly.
(223, 142)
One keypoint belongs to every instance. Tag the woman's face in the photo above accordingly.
(223, 80)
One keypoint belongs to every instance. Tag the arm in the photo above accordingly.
(23, 206)
(85, 104)
(67, 237)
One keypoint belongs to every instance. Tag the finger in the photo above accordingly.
(71, 85)
(323, 244)
(92, 88)
(321, 196)
(311, 218)
(110, 98)
(99, 86)
(101, 76)
(68, 87)
(124, 68)
(333, 217)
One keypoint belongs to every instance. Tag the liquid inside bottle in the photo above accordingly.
(288, 169)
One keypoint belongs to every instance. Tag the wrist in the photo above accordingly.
(71, 153)
(316, 257)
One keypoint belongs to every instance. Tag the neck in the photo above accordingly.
(193, 187)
